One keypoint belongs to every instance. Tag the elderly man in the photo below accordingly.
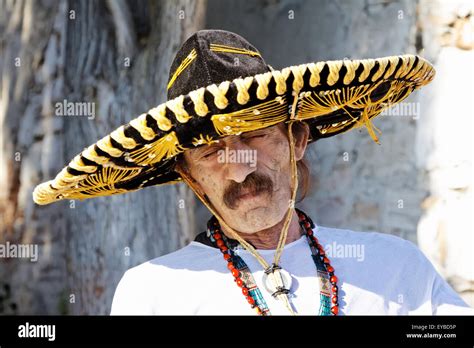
(236, 130)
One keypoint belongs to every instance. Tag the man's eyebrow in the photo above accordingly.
(197, 151)
(258, 131)
(201, 149)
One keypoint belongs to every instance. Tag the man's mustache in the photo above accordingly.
(254, 183)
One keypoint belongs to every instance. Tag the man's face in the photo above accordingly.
(247, 177)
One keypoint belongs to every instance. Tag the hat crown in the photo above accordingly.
(211, 57)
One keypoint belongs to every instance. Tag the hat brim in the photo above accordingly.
(333, 97)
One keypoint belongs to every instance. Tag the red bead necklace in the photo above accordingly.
(329, 299)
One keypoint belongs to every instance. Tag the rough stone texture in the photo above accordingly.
(84, 247)
(444, 144)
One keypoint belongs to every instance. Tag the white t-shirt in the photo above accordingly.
(377, 274)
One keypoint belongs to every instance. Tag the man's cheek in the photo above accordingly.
(275, 164)
(203, 178)
(210, 187)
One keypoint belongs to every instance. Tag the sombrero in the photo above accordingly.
(219, 85)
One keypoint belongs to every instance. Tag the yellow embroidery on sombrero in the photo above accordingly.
(368, 64)
(105, 145)
(424, 75)
(243, 86)
(280, 80)
(406, 66)
(142, 184)
(351, 68)
(367, 114)
(391, 69)
(410, 61)
(412, 67)
(229, 49)
(163, 148)
(298, 82)
(219, 93)
(176, 106)
(325, 102)
(259, 116)
(396, 87)
(263, 80)
(334, 69)
(119, 136)
(428, 75)
(335, 127)
(200, 107)
(207, 140)
(140, 125)
(67, 185)
(401, 65)
(44, 194)
(65, 179)
(90, 154)
(159, 114)
(382, 66)
(313, 105)
(398, 91)
(102, 183)
(416, 69)
(78, 165)
(184, 64)
(315, 70)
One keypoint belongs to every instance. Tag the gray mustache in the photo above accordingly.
(254, 183)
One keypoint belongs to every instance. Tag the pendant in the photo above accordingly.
(277, 281)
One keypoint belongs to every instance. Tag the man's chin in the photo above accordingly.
(254, 219)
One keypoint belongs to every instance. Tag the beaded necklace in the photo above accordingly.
(244, 278)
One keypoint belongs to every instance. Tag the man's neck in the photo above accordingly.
(268, 238)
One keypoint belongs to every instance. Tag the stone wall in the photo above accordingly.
(444, 145)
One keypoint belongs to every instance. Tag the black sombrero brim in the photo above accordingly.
(333, 97)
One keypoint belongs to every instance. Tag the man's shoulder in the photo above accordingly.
(186, 258)
(376, 242)
(390, 257)
(162, 276)
(343, 233)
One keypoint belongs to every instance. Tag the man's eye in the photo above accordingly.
(256, 136)
(209, 153)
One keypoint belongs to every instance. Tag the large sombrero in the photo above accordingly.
(219, 85)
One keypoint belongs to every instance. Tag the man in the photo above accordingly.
(236, 131)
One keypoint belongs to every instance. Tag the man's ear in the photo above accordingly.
(301, 137)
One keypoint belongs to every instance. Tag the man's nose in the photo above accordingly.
(237, 166)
